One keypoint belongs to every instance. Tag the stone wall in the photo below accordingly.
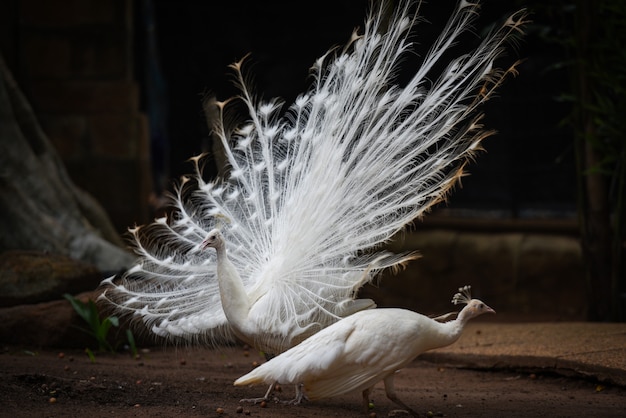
(528, 274)
(73, 60)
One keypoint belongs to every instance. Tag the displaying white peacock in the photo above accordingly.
(312, 193)
(361, 350)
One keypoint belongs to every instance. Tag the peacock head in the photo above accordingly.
(213, 239)
(474, 308)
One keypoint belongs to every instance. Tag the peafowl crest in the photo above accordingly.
(464, 295)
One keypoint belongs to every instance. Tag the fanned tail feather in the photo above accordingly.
(310, 193)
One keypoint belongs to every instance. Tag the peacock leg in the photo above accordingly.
(300, 396)
(390, 390)
(265, 398)
(366, 399)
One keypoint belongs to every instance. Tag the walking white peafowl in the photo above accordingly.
(361, 350)
(310, 193)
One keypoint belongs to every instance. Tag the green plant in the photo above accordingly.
(131, 344)
(98, 328)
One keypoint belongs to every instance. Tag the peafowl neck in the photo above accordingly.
(235, 301)
(444, 334)
(449, 332)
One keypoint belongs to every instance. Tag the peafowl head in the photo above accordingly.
(213, 239)
(474, 308)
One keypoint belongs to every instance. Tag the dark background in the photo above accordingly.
(528, 169)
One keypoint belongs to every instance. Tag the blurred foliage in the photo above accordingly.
(592, 35)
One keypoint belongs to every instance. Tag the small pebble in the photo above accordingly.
(52, 400)
(239, 409)
(220, 410)
(263, 404)
(61, 355)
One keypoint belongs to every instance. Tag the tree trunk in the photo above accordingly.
(594, 205)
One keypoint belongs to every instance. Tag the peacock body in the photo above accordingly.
(310, 192)
(357, 352)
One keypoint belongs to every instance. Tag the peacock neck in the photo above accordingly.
(235, 301)
(447, 333)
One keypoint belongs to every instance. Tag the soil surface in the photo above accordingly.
(196, 382)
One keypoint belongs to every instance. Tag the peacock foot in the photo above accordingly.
(260, 400)
(403, 413)
(295, 401)
(300, 396)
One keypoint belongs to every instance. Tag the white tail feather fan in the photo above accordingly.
(308, 195)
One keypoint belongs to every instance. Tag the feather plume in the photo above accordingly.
(464, 296)
(312, 190)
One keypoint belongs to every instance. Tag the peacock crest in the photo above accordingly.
(464, 296)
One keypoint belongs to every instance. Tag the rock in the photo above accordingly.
(56, 324)
(31, 277)
(49, 324)
(33, 311)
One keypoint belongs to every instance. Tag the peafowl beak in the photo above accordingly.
(479, 307)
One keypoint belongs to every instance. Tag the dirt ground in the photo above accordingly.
(196, 382)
